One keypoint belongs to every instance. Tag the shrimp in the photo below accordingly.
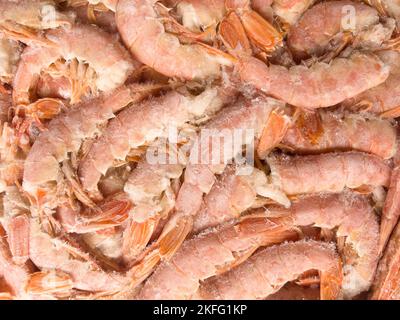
(269, 269)
(211, 253)
(22, 20)
(357, 232)
(230, 196)
(330, 172)
(141, 124)
(386, 284)
(199, 175)
(65, 134)
(148, 41)
(321, 85)
(319, 26)
(329, 131)
(110, 68)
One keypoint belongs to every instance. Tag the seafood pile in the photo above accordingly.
(199, 149)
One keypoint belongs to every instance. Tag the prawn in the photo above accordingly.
(211, 253)
(330, 172)
(321, 85)
(357, 232)
(269, 269)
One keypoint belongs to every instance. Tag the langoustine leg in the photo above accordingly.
(268, 270)
(209, 254)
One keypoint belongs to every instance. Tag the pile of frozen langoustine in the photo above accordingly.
(90, 89)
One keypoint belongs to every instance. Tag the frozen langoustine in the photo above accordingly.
(271, 268)
(49, 253)
(246, 116)
(321, 85)
(353, 219)
(211, 253)
(330, 172)
(315, 30)
(382, 99)
(231, 195)
(325, 131)
(111, 65)
(145, 36)
(140, 125)
(65, 135)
